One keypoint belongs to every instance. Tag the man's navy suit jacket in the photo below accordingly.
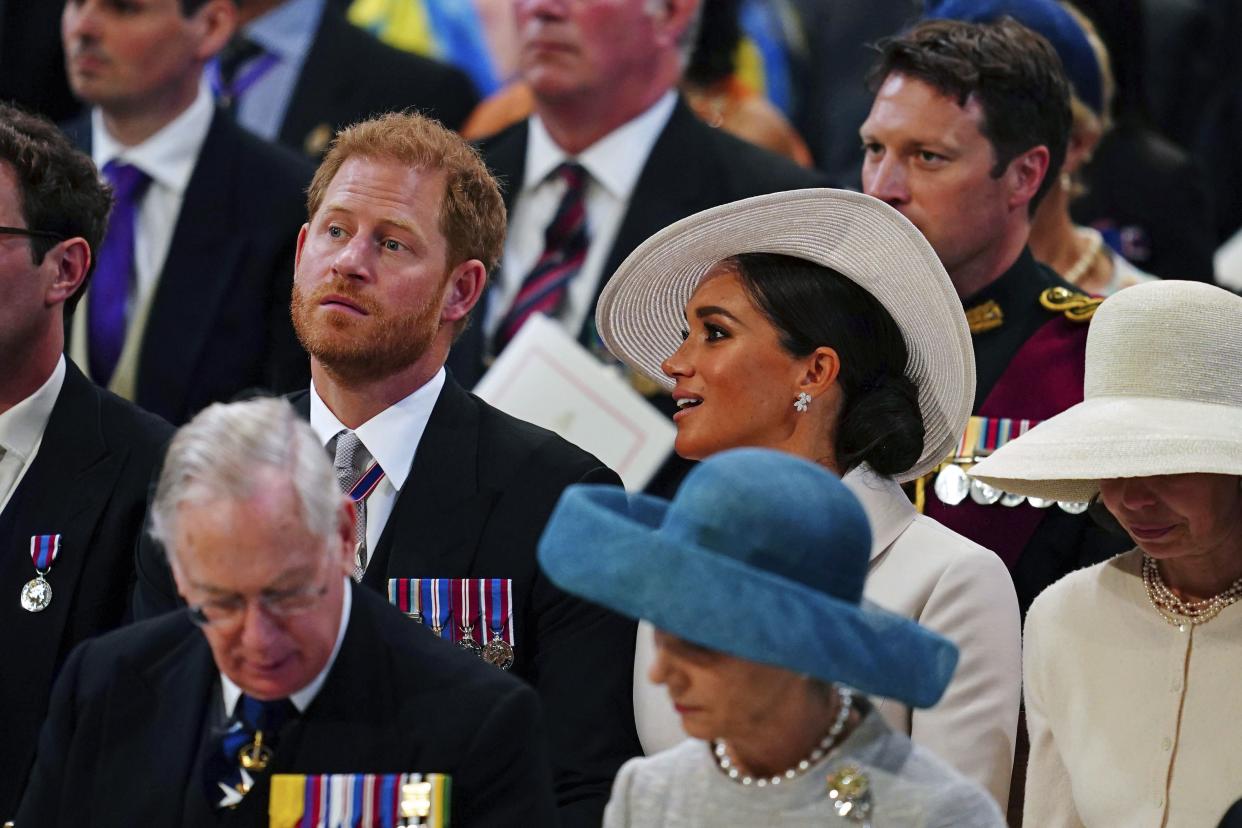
(219, 320)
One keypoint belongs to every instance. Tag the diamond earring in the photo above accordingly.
(802, 403)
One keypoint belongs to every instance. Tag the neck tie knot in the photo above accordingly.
(128, 182)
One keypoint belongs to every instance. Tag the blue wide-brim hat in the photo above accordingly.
(761, 555)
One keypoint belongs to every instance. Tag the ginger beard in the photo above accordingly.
(362, 348)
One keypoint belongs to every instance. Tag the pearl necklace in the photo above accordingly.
(845, 702)
(1190, 613)
(1076, 271)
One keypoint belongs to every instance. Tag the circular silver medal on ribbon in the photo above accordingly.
(467, 642)
(1074, 507)
(952, 485)
(498, 653)
(1011, 499)
(983, 494)
(1039, 502)
(36, 595)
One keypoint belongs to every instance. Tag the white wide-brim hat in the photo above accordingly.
(1163, 395)
(641, 312)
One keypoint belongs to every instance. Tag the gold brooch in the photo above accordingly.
(850, 792)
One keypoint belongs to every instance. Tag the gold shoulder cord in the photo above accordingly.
(985, 317)
(1077, 307)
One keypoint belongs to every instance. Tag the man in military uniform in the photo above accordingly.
(968, 128)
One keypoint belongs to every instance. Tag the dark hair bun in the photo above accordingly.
(882, 427)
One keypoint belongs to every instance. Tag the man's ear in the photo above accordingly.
(463, 290)
(672, 19)
(215, 22)
(71, 260)
(1026, 173)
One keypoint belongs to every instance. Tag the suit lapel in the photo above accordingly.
(319, 85)
(64, 492)
(202, 259)
(171, 699)
(435, 524)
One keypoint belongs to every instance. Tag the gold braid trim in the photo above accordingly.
(1077, 307)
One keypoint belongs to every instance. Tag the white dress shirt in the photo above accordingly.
(21, 432)
(302, 698)
(391, 437)
(614, 164)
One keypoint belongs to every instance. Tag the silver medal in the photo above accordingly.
(983, 494)
(1039, 502)
(1011, 499)
(952, 485)
(1074, 507)
(36, 594)
(498, 653)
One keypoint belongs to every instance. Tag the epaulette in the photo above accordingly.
(1077, 307)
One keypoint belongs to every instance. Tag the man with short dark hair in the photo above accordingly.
(75, 461)
(405, 222)
(190, 302)
(968, 127)
(279, 666)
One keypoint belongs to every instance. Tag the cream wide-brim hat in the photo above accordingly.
(641, 310)
(1163, 395)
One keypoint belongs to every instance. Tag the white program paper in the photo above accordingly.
(546, 377)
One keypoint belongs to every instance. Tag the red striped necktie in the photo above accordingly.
(565, 243)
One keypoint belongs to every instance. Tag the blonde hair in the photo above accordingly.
(472, 214)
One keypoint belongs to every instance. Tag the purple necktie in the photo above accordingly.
(114, 272)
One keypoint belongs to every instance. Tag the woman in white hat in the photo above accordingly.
(753, 577)
(1132, 666)
(821, 323)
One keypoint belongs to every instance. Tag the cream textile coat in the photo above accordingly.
(925, 572)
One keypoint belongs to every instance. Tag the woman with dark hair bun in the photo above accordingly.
(821, 323)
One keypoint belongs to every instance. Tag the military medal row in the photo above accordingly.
(360, 800)
(983, 436)
(476, 614)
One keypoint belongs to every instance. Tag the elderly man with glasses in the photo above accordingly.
(279, 665)
(75, 461)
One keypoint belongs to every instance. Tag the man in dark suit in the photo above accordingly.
(404, 223)
(280, 665)
(612, 139)
(297, 71)
(75, 461)
(189, 304)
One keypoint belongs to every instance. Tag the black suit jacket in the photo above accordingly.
(349, 76)
(692, 167)
(219, 321)
(128, 715)
(481, 487)
(87, 483)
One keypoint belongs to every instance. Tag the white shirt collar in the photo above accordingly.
(22, 426)
(614, 161)
(888, 509)
(169, 155)
(302, 698)
(289, 29)
(391, 436)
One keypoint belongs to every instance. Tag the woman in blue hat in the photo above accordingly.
(753, 577)
(821, 323)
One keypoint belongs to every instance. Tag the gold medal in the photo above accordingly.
(256, 755)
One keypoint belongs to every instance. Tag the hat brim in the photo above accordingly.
(641, 311)
(717, 602)
(1065, 457)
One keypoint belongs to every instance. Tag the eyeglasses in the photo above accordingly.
(35, 234)
(226, 613)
